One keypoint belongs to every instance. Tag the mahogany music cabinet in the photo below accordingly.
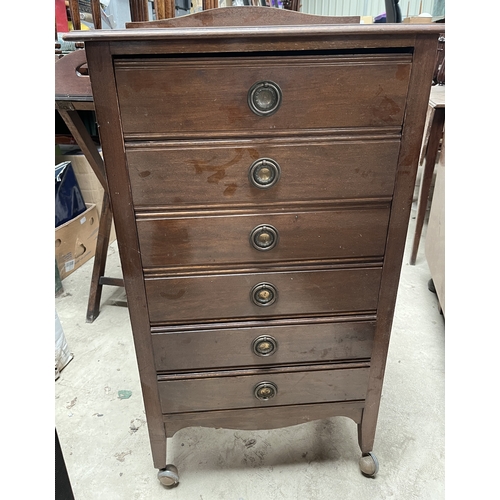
(261, 180)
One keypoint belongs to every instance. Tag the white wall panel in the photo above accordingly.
(364, 7)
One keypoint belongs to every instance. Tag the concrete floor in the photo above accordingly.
(105, 442)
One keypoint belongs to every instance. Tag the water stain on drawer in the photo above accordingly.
(209, 173)
(230, 189)
(172, 296)
(386, 109)
(201, 166)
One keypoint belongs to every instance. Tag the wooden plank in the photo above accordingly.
(236, 16)
(139, 10)
(74, 9)
(107, 112)
(101, 254)
(263, 418)
(377, 32)
(419, 90)
(96, 14)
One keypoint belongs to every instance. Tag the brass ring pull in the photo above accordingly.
(265, 345)
(264, 98)
(265, 391)
(264, 294)
(264, 237)
(264, 173)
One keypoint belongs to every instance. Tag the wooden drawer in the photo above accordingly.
(162, 97)
(218, 173)
(237, 391)
(248, 345)
(168, 241)
(229, 296)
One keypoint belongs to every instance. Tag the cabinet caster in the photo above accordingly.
(368, 464)
(169, 476)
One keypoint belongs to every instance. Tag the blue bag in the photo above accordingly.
(69, 199)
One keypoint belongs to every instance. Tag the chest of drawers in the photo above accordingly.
(261, 179)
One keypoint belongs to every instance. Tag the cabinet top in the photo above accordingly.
(251, 32)
(238, 24)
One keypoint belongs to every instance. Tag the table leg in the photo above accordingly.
(101, 253)
(435, 135)
(89, 149)
(85, 143)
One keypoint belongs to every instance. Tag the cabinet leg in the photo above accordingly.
(368, 463)
(168, 475)
(366, 437)
(159, 451)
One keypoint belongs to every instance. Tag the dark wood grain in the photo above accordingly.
(138, 10)
(263, 418)
(235, 391)
(107, 112)
(347, 136)
(419, 90)
(232, 347)
(101, 254)
(251, 16)
(70, 84)
(231, 42)
(220, 239)
(228, 296)
(74, 9)
(200, 173)
(300, 37)
(210, 4)
(96, 14)
(170, 97)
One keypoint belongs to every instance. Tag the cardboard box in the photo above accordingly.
(76, 240)
(417, 20)
(90, 186)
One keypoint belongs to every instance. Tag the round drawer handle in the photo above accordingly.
(264, 391)
(264, 98)
(264, 294)
(265, 345)
(264, 237)
(264, 173)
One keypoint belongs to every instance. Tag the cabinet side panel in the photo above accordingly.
(100, 65)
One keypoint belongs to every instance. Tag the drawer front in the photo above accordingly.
(162, 97)
(234, 296)
(247, 346)
(267, 237)
(229, 392)
(178, 176)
